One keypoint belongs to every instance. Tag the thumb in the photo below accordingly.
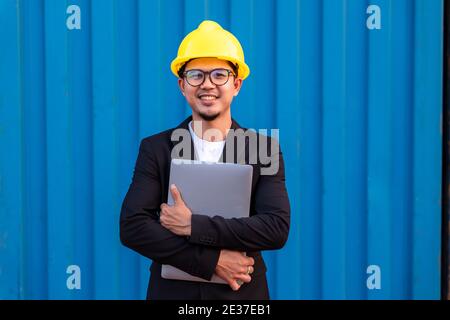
(176, 195)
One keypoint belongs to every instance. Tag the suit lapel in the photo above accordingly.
(193, 156)
(185, 126)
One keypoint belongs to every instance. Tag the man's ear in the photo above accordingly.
(181, 85)
(237, 85)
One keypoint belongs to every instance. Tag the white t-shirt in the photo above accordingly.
(206, 150)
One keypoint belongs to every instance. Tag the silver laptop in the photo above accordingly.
(213, 189)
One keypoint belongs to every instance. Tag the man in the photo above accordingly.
(211, 67)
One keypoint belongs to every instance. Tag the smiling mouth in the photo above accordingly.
(208, 97)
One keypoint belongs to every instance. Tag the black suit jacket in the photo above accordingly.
(266, 229)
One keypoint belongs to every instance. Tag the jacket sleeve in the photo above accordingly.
(267, 227)
(141, 231)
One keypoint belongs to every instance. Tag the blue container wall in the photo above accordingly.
(359, 113)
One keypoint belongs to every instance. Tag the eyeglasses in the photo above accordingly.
(196, 77)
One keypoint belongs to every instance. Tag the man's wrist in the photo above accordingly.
(189, 226)
(188, 231)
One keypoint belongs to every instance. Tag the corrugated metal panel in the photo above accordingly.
(359, 113)
(445, 264)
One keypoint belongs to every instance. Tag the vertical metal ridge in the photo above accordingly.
(22, 150)
(319, 157)
(365, 166)
(45, 133)
(445, 266)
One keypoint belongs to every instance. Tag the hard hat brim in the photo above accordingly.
(243, 69)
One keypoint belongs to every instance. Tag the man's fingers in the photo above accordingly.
(247, 269)
(235, 285)
(164, 216)
(243, 269)
(244, 277)
(238, 281)
(163, 206)
(176, 195)
(232, 282)
(250, 270)
(163, 213)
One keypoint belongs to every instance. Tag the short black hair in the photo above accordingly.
(234, 67)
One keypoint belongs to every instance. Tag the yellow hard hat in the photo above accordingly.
(210, 40)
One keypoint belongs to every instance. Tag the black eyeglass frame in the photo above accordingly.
(208, 73)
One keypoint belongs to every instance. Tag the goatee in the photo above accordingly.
(208, 117)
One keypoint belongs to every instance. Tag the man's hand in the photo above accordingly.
(235, 268)
(176, 218)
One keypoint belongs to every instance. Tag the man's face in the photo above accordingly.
(208, 100)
